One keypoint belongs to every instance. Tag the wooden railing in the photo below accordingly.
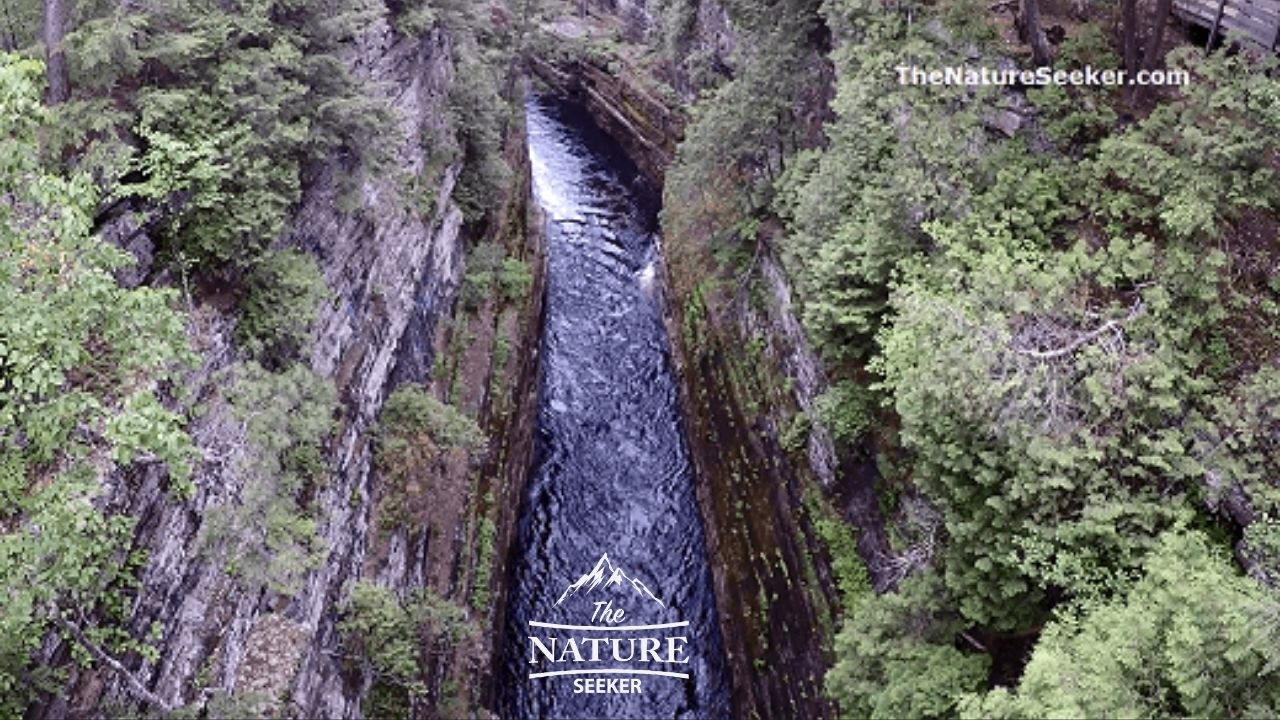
(1257, 20)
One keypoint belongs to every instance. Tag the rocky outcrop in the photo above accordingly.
(647, 127)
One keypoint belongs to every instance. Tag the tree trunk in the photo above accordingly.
(1040, 53)
(1129, 33)
(1155, 48)
(1154, 51)
(55, 29)
(9, 41)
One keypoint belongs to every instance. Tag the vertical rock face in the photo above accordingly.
(748, 372)
(380, 261)
(386, 261)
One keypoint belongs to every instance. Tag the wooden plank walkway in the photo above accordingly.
(1258, 20)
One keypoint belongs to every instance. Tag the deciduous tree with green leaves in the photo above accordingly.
(83, 366)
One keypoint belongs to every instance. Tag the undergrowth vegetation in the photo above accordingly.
(399, 637)
(267, 535)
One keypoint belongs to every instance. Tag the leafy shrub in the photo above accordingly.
(796, 435)
(841, 542)
(515, 279)
(486, 538)
(397, 635)
(412, 413)
(415, 430)
(283, 294)
(482, 265)
(845, 409)
(490, 269)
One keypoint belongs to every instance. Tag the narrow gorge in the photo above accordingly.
(636, 358)
(419, 295)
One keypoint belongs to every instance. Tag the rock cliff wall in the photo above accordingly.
(647, 127)
(769, 493)
(387, 264)
(393, 266)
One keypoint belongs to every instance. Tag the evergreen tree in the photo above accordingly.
(1192, 638)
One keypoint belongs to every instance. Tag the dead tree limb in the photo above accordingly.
(135, 685)
(1084, 339)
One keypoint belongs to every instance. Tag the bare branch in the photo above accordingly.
(1084, 339)
(135, 685)
(973, 641)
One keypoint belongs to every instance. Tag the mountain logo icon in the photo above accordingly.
(607, 574)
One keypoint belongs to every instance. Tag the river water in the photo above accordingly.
(611, 474)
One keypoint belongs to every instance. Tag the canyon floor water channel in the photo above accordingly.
(610, 518)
